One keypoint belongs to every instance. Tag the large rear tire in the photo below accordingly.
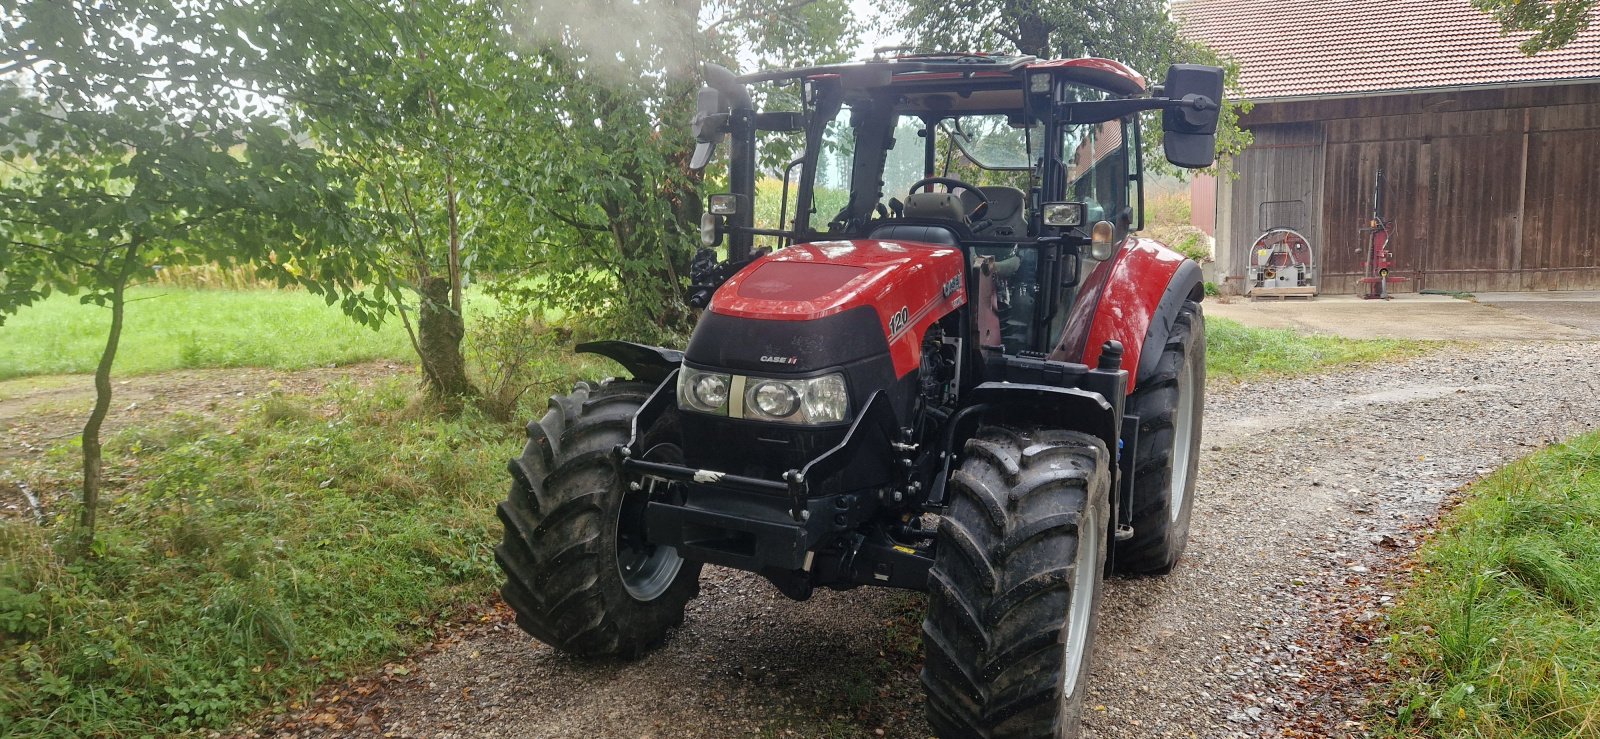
(1015, 585)
(579, 574)
(1170, 404)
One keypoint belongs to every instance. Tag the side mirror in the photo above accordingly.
(722, 93)
(710, 124)
(1191, 128)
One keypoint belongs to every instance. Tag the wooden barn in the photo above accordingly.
(1491, 158)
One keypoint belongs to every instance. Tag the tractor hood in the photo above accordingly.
(899, 287)
(810, 281)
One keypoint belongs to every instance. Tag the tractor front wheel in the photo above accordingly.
(1015, 585)
(1170, 404)
(579, 573)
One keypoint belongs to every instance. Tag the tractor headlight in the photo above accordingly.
(811, 401)
(814, 400)
(775, 399)
(710, 229)
(827, 399)
(706, 392)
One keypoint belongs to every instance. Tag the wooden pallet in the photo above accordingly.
(1284, 293)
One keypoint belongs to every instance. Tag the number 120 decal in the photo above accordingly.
(898, 321)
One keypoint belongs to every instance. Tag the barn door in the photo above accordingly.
(1352, 175)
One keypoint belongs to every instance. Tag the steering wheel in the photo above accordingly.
(950, 185)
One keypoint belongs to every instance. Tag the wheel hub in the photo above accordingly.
(646, 569)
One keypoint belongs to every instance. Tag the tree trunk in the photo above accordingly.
(1033, 33)
(439, 333)
(91, 429)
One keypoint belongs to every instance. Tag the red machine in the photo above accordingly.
(1379, 258)
(1000, 349)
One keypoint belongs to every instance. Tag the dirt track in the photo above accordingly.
(1309, 489)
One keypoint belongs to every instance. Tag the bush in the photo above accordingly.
(508, 351)
(1167, 220)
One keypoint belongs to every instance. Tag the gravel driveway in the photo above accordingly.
(1309, 488)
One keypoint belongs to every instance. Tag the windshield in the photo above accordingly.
(991, 141)
(982, 150)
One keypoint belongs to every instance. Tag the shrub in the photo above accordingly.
(508, 350)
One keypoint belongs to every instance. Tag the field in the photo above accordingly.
(180, 328)
(257, 548)
(243, 563)
(1498, 635)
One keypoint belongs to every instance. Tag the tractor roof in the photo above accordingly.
(964, 72)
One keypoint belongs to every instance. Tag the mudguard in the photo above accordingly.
(1133, 298)
(1052, 406)
(1059, 407)
(651, 364)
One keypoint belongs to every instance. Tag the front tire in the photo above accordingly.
(579, 574)
(1015, 585)
(1170, 404)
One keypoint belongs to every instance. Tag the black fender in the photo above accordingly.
(1073, 409)
(1186, 284)
(652, 364)
(1067, 408)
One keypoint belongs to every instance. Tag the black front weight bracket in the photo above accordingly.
(796, 484)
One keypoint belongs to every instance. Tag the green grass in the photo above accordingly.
(237, 567)
(1499, 636)
(174, 328)
(1235, 351)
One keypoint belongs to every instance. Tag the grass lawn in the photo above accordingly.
(178, 328)
(1499, 636)
(1235, 351)
(236, 567)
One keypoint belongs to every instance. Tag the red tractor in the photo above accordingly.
(972, 379)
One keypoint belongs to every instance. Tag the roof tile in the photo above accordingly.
(1340, 47)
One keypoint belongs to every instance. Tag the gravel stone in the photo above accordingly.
(1309, 486)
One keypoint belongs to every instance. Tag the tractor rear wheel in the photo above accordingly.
(1015, 585)
(1170, 404)
(579, 573)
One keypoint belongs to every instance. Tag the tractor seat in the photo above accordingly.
(938, 205)
(1005, 212)
(920, 232)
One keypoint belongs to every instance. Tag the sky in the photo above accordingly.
(866, 13)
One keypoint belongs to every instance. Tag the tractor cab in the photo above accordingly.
(1033, 168)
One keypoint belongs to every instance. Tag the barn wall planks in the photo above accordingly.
(1489, 189)
(1561, 233)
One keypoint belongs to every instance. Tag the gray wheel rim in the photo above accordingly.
(647, 570)
(1084, 581)
(1182, 438)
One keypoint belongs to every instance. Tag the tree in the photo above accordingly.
(1139, 33)
(1554, 23)
(542, 143)
(633, 68)
(129, 148)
